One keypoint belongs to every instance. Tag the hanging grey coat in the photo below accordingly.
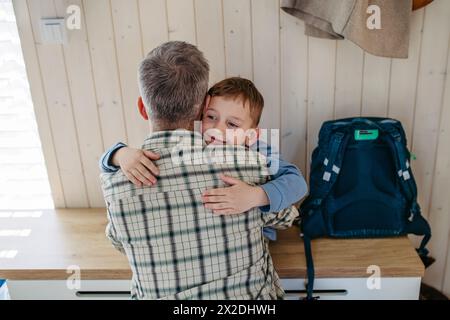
(380, 27)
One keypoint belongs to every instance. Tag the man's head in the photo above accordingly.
(233, 112)
(173, 80)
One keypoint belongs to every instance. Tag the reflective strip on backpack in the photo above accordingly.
(406, 175)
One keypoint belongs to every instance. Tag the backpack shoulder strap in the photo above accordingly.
(408, 184)
(332, 164)
(309, 269)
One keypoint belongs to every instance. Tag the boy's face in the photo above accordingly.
(227, 121)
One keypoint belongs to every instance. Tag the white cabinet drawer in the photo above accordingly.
(58, 290)
(355, 289)
(326, 289)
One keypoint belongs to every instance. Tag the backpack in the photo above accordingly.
(361, 186)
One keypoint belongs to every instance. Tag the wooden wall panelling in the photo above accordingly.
(106, 75)
(238, 38)
(82, 89)
(431, 77)
(294, 90)
(129, 48)
(61, 113)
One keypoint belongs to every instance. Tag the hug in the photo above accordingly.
(198, 230)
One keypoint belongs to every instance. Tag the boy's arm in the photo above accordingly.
(287, 185)
(136, 164)
(105, 162)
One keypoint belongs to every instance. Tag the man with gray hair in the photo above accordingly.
(178, 249)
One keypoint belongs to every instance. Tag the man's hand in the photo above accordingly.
(238, 198)
(137, 166)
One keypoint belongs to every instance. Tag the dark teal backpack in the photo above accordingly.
(361, 186)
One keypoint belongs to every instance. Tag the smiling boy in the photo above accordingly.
(232, 113)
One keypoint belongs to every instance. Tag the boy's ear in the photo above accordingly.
(142, 109)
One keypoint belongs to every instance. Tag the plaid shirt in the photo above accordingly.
(176, 248)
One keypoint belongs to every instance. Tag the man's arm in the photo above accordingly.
(111, 234)
(281, 220)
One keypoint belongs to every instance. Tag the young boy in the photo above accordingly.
(233, 105)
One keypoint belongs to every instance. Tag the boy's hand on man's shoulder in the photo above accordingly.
(137, 165)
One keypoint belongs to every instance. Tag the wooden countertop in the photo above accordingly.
(63, 238)
(340, 258)
(59, 239)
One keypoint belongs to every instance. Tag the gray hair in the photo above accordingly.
(173, 81)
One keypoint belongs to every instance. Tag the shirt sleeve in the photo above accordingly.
(105, 159)
(287, 185)
(282, 219)
(111, 234)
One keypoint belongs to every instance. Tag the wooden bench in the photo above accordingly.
(36, 265)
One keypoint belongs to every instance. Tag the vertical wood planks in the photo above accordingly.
(82, 91)
(153, 17)
(129, 50)
(321, 85)
(349, 76)
(238, 38)
(294, 95)
(375, 94)
(404, 78)
(266, 58)
(433, 63)
(59, 103)
(181, 20)
(106, 74)
(210, 38)
(438, 274)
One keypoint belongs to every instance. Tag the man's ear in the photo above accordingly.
(142, 109)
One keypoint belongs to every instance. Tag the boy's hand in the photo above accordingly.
(137, 166)
(238, 198)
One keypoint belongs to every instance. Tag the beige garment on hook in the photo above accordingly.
(347, 19)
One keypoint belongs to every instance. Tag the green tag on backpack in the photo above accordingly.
(366, 135)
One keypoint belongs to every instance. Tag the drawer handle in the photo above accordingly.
(335, 292)
(103, 294)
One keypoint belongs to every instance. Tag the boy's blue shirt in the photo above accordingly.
(286, 187)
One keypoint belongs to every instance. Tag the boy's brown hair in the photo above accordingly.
(240, 88)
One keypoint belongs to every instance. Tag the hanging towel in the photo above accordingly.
(347, 19)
